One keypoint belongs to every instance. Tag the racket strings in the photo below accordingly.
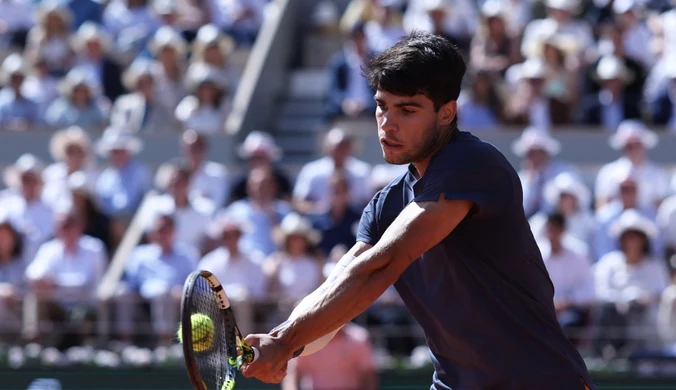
(214, 360)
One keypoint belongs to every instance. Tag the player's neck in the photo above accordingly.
(443, 140)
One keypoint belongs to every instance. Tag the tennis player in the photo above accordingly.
(451, 235)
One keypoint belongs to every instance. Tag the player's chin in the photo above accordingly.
(395, 158)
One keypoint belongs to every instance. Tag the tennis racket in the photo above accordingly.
(213, 346)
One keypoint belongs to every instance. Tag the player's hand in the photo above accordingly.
(272, 362)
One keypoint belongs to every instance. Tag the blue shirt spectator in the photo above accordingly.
(151, 271)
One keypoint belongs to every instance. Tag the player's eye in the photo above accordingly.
(407, 111)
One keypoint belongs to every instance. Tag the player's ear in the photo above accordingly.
(447, 113)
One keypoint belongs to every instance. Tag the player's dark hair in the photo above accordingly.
(556, 219)
(420, 63)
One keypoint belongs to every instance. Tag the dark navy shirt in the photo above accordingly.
(482, 295)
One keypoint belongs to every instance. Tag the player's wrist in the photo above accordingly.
(285, 338)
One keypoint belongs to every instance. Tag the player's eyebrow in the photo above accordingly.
(409, 103)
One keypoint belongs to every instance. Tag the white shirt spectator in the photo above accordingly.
(16, 14)
(617, 281)
(205, 120)
(461, 21)
(666, 220)
(636, 45)
(191, 221)
(153, 273)
(666, 317)
(224, 13)
(55, 177)
(580, 228)
(36, 220)
(236, 274)
(609, 213)
(118, 17)
(570, 273)
(312, 182)
(579, 30)
(210, 181)
(75, 274)
(653, 182)
(380, 38)
(297, 277)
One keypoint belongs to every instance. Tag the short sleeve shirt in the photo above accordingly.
(482, 295)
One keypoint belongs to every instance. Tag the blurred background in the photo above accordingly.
(144, 139)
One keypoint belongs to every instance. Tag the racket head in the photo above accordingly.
(210, 366)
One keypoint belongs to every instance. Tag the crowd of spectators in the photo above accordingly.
(98, 75)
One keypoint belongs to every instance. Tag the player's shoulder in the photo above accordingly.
(467, 150)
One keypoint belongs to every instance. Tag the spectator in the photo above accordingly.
(538, 106)
(167, 12)
(636, 37)
(347, 362)
(16, 17)
(155, 273)
(259, 150)
(563, 68)
(350, 94)
(169, 50)
(666, 316)
(12, 266)
(23, 201)
(192, 14)
(612, 104)
(457, 20)
(65, 273)
(628, 190)
(262, 208)
(214, 48)
(239, 272)
(50, 38)
(93, 47)
(480, 107)
(493, 48)
(130, 17)
(311, 193)
(294, 270)
(568, 196)
(634, 140)
(240, 18)
(191, 215)
(537, 149)
(629, 282)
(72, 152)
(662, 109)
(206, 108)
(571, 276)
(560, 13)
(666, 221)
(17, 112)
(338, 224)
(80, 104)
(209, 180)
(96, 223)
(40, 86)
(142, 110)
(385, 29)
(120, 187)
(382, 174)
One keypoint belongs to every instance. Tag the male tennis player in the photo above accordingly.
(451, 235)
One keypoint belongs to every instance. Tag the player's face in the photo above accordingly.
(408, 127)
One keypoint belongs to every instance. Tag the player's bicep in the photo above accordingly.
(418, 228)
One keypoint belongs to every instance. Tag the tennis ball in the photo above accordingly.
(202, 332)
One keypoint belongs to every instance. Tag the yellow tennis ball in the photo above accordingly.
(202, 332)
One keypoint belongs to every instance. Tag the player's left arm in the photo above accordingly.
(419, 227)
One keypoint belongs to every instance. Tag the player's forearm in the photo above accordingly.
(354, 291)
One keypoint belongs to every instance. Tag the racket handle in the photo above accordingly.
(256, 353)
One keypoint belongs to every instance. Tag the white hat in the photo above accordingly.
(164, 7)
(567, 183)
(166, 36)
(54, 6)
(200, 72)
(633, 220)
(258, 141)
(533, 138)
(139, 68)
(24, 164)
(493, 8)
(295, 224)
(533, 68)
(564, 5)
(611, 67)
(13, 64)
(437, 5)
(90, 31)
(225, 222)
(632, 130)
(76, 77)
(69, 136)
(210, 34)
(115, 138)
